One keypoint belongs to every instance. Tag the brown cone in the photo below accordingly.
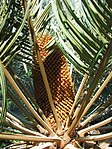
(59, 80)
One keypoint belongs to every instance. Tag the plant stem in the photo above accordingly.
(29, 95)
(12, 117)
(100, 109)
(80, 89)
(97, 93)
(83, 131)
(21, 128)
(95, 137)
(21, 107)
(22, 96)
(93, 83)
(44, 76)
(28, 138)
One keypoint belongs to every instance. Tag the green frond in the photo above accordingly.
(84, 40)
(3, 94)
(15, 28)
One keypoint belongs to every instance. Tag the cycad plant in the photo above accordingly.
(55, 63)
